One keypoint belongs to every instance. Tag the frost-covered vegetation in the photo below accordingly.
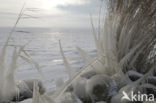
(126, 61)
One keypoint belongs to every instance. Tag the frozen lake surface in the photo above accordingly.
(44, 49)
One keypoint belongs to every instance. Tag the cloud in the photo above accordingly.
(90, 6)
(69, 13)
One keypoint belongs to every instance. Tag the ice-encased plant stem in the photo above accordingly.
(126, 42)
(8, 86)
(8, 83)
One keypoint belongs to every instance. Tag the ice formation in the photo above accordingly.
(125, 61)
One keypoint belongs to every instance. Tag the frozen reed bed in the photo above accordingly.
(126, 61)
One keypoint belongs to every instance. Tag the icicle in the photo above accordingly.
(36, 94)
(10, 88)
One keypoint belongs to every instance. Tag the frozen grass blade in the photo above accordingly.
(33, 63)
(98, 46)
(68, 67)
(28, 59)
(15, 25)
(87, 58)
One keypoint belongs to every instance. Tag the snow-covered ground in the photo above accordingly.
(44, 49)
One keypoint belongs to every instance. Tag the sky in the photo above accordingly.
(49, 13)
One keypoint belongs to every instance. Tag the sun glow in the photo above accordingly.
(52, 4)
